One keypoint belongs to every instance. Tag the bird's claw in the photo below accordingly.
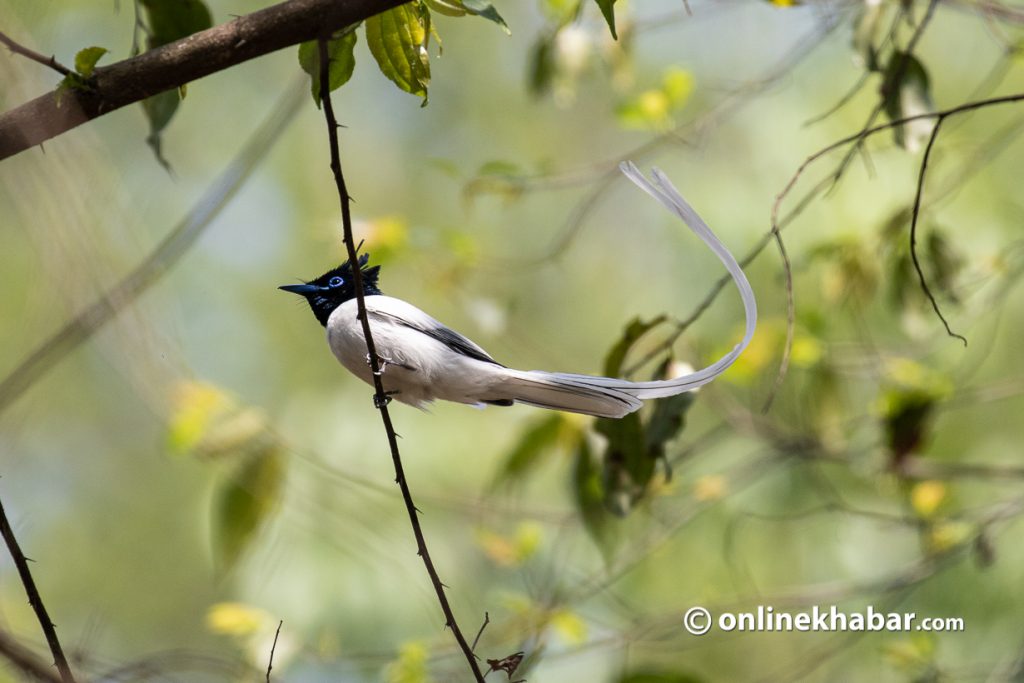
(383, 362)
(381, 400)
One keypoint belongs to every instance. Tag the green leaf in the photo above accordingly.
(501, 178)
(482, 8)
(245, 502)
(397, 39)
(160, 110)
(907, 93)
(542, 65)
(946, 263)
(539, 438)
(634, 330)
(168, 21)
(460, 8)
(342, 61)
(627, 466)
(667, 419)
(660, 677)
(608, 10)
(589, 495)
(85, 60)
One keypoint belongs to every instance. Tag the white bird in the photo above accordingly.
(422, 360)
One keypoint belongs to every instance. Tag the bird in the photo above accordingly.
(421, 360)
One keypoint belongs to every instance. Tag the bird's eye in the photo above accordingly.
(335, 282)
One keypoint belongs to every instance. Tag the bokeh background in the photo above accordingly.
(201, 468)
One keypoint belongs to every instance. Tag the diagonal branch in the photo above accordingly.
(175, 64)
(163, 257)
(380, 397)
(34, 599)
(19, 49)
(27, 661)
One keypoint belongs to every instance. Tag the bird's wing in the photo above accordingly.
(398, 312)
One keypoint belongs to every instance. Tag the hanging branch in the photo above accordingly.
(913, 231)
(34, 599)
(380, 398)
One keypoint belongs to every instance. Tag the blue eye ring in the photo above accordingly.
(335, 282)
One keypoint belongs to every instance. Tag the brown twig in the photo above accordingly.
(487, 620)
(270, 661)
(913, 231)
(176, 64)
(864, 134)
(27, 661)
(787, 349)
(20, 49)
(161, 260)
(34, 599)
(380, 396)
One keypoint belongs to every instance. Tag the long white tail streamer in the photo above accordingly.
(666, 193)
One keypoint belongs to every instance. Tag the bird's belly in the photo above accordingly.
(416, 367)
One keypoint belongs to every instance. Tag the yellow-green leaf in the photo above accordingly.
(569, 626)
(342, 61)
(411, 665)
(927, 496)
(245, 502)
(397, 39)
(236, 619)
(85, 60)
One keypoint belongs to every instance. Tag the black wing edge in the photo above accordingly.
(450, 338)
(457, 342)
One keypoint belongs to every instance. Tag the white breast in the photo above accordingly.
(418, 367)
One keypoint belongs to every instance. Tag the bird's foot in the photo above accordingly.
(382, 363)
(381, 400)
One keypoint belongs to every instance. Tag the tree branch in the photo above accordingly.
(34, 599)
(19, 49)
(175, 64)
(380, 397)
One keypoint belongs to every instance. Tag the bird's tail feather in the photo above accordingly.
(609, 397)
(571, 393)
(666, 193)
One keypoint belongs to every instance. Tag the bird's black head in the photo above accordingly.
(335, 287)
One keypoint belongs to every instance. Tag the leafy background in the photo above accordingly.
(203, 469)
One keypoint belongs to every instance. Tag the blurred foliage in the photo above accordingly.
(207, 422)
(165, 22)
(886, 472)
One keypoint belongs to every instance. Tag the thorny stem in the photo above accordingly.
(380, 396)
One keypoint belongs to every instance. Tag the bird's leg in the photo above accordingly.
(383, 361)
